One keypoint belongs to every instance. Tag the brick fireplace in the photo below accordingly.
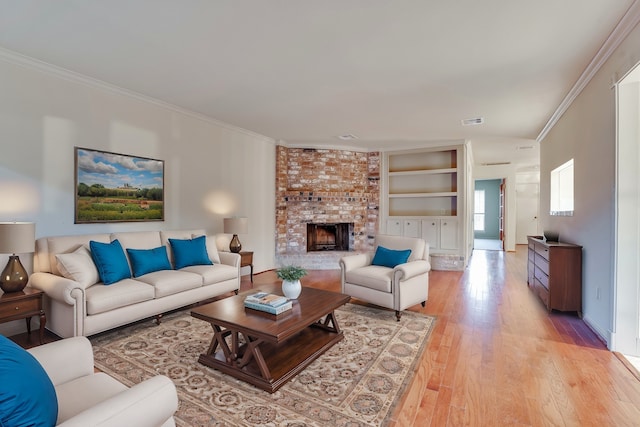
(318, 189)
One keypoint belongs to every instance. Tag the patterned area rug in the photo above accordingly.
(357, 382)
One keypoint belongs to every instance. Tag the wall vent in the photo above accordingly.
(496, 164)
(347, 137)
(473, 121)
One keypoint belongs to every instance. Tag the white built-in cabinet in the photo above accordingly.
(423, 195)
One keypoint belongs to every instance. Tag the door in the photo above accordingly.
(501, 215)
(527, 208)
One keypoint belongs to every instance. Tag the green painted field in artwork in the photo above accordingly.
(93, 209)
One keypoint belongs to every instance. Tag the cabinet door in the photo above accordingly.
(448, 234)
(430, 233)
(411, 228)
(394, 227)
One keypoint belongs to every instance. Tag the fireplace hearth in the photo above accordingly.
(328, 237)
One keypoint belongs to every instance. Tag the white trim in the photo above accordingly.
(628, 22)
(72, 76)
(606, 336)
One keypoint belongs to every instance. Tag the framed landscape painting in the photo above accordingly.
(114, 187)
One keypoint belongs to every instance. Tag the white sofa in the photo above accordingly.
(86, 398)
(80, 307)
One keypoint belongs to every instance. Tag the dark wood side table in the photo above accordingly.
(246, 260)
(23, 305)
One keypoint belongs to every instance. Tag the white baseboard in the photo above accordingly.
(605, 336)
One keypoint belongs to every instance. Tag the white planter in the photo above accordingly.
(291, 290)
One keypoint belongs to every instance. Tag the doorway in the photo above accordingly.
(488, 215)
(626, 335)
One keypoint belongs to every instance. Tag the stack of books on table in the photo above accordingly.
(268, 303)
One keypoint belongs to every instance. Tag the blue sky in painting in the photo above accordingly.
(117, 170)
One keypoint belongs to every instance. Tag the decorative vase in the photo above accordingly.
(291, 289)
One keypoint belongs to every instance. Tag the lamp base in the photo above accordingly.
(14, 277)
(234, 245)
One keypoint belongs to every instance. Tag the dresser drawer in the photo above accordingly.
(542, 292)
(542, 264)
(19, 308)
(541, 277)
(543, 251)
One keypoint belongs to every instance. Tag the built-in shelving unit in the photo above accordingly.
(423, 196)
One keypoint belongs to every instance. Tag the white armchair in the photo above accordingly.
(86, 398)
(396, 288)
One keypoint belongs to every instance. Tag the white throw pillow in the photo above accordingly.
(212, 250)
(79, 266)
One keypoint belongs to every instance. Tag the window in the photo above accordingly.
(478, 211)
(561, 203)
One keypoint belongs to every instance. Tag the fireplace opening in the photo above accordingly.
(328, 237)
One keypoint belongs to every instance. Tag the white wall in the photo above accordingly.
(587, 133)
(212, 170)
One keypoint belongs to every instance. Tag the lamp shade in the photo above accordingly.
(17, 237)
(236, 225)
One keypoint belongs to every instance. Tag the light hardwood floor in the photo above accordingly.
(497, 358)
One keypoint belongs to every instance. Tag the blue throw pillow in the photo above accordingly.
(110, 261)
(390, 257)
(27, 396)
(145, 261)
(189, 252)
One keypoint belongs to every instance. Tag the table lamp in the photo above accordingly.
(16, 237)
(235, 226)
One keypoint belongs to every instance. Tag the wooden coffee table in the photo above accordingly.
(266, 350)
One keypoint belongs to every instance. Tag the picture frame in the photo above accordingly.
(112, 187)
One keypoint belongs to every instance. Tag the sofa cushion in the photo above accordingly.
(169, 282)
(188, 252)
(66, 244)
(212, 248)
(138, 239)
(213, 273)
(417, 246)
(145, 261)
(110, 260)
(390, 257)
(84, 393)
(178, 234)
(120, 294)
(372, 276)
(27, 395)
(79, 266)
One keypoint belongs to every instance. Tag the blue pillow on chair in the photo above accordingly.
(390, 257)
(27, 396)
(110, 261)
(145, 261)
(188, 252)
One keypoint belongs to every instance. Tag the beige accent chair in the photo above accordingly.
(395, 288)
(86, 398)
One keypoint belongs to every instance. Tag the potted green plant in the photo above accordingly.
(291, 276)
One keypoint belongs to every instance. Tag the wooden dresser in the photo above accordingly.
(554, 273)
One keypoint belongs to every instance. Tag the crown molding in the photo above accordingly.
(19, 59)
(628, 22)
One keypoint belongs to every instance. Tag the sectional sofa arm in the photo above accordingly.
(148, 404)
(57, 287)
(230, 258)
(65, 360)
(351, 262)
(411, 269)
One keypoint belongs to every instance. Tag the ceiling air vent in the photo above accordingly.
(472, 122)
(525, 147)
(347, 137)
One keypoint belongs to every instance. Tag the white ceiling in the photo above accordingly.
(394, 73)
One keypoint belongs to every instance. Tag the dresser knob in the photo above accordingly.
(17, 308)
